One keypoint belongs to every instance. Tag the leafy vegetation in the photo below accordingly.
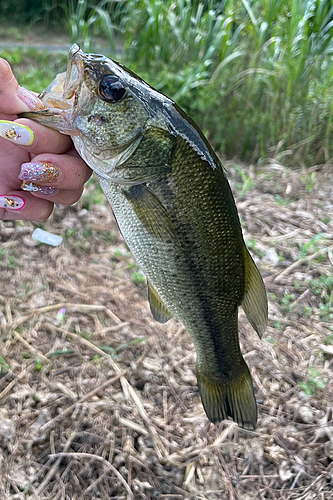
(314, 382)
(256, 75)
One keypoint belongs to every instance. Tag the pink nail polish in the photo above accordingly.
(39, 171)
(11, 202)
(30, 99)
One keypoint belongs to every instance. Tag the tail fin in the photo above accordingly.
(234, 398)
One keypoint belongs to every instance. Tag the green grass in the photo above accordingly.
(34, 68)
(253, 74)
(314, 383)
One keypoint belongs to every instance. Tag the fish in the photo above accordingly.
(175, 209)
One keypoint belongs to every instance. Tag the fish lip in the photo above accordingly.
(78, 64)
(75, 71)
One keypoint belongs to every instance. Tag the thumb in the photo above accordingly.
(13, 98)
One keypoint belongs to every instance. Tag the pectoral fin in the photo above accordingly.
(159, 311)
(255, 299)
(150, 211)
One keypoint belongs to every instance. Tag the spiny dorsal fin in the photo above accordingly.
(255, 299)
(150, 211)
(159, 311)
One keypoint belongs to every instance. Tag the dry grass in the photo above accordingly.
(102, 402)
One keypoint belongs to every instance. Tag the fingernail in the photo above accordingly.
(31, 186)
(30, 99)
(15, 132)
(12, 202)
(42, 171)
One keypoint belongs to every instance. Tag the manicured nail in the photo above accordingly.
(12, 202)
(42, 171)
(30, 99)
(15, 132)
(31, 186)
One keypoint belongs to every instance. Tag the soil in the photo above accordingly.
(98, 401)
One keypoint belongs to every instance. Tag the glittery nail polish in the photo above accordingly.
(16, 133)
(30, 99)
(11, 202)
(36, 188)
(39, 171)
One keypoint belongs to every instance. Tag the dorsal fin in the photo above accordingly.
(255, 299)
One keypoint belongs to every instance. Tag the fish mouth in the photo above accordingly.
(65, 95)
(68, 93)
(74, 73)
(60, 95)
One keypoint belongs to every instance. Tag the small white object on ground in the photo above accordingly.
(45, 237)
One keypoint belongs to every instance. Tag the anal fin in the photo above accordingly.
(255, 298)
(159, 311)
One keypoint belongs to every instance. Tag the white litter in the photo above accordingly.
(45, 237)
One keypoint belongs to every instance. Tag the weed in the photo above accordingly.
(306, 312)
(138, 278)
(253, 245)
(4, 366)
(93, 194)
(38, 365)
(115, 350)
(270, 340)
(310, 245)
(85, 335)
(70, 232)
(13, 262)
(310, 182)
(329, 339)
(247, 181)
(282, 201)
(120, 253)
(322, 286)
(286, 301)
(314, 382)
(61, 352)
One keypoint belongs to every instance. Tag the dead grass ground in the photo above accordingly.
(97, 400)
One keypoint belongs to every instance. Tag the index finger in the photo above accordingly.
(13, 98)
(45, 139)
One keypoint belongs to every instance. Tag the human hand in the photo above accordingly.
(38, 165)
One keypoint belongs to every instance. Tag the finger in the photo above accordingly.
(11, 159)
(18, 206)
(33, 137)
(13, 98)
(67, 171)
(60, 196)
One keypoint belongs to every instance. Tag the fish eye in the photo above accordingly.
(111, 89)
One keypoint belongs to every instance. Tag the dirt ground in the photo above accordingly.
(98, 401)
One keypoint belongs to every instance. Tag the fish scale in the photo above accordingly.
(176, 212)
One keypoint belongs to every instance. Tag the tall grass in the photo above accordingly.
(256, 75)
(85, 20)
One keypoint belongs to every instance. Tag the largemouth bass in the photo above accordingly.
(176, 212)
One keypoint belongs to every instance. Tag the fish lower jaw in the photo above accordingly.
(109, 165)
